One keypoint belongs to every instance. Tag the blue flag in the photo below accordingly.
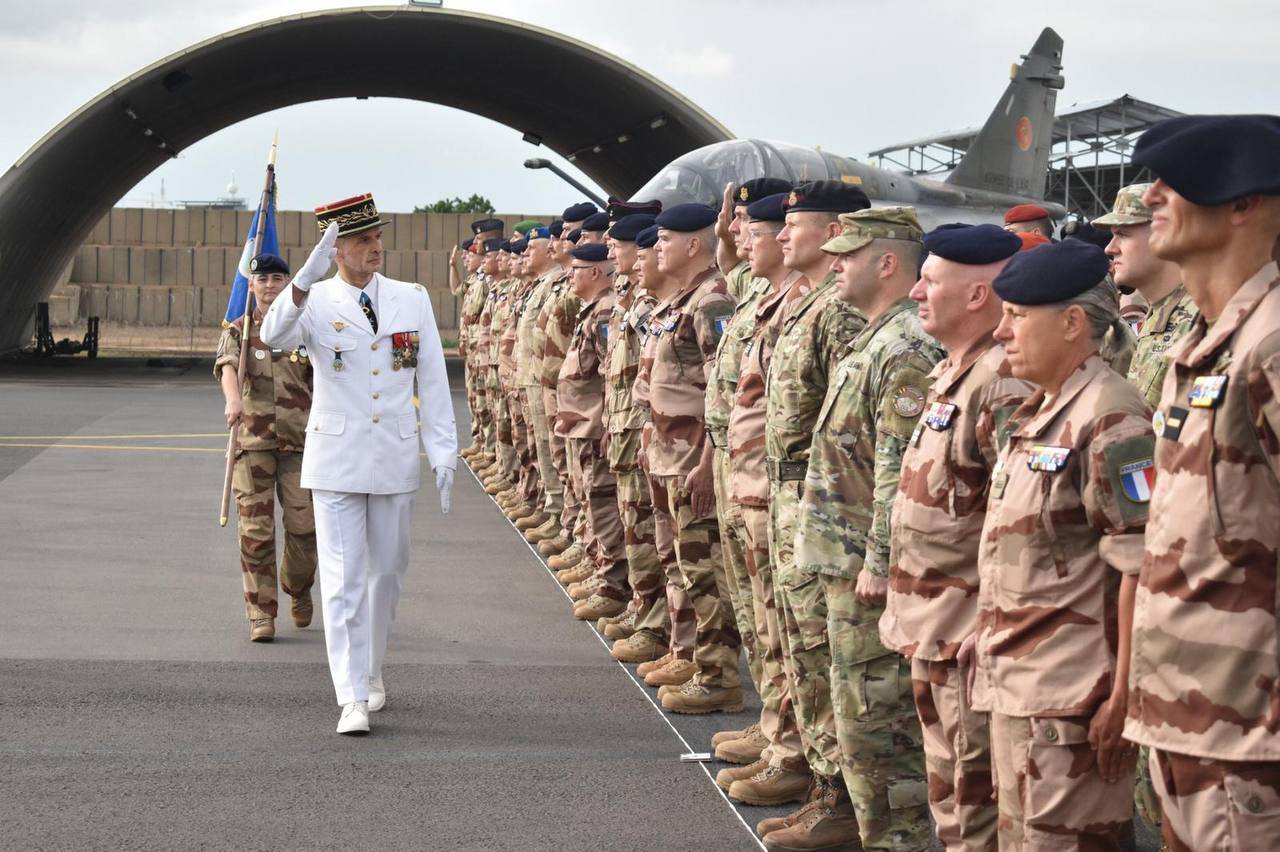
(270, 245)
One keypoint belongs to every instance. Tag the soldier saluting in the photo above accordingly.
(272, 407)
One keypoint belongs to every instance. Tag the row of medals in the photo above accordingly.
(299, 354)
(403, 358)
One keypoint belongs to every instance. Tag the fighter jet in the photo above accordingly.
(1005, 164)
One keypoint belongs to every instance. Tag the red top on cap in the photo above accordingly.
(1025, 213)
(346, 202)
(1030, 239)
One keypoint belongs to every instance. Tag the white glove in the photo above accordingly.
(321, 258)
(444, 484)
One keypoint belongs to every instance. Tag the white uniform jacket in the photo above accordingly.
(362, 436)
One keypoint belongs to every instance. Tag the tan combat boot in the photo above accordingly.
(637, 648)
(262, 629)
(832, 824)
(772, 786)
(301, 609)
(725, 777)
(696, 698)
(576, 574)
(570, 557)
(619, 626)
(597, 606)
(496, 486)
(743, 750)
(725, 736)
(584, 589)
(813, 799)
(519, 510)
(549, 528)
(645, 668)
(528, 522)
(674, 673)
(552, 547)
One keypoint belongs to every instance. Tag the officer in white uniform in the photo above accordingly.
(368, 338)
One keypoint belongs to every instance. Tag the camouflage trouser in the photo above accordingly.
(572, 499)
(552, 487)
(680, 618)
(526, 469)
(802, 607)
(502, 427)
(1217, 804)
(1049, 792)
(483, 413)
(258, 478)
(882, 754)
(1145, 800)
(732, 547)
(602, 508)
(957, 755)
(469, 383)
(777, 714)
(702, 574)
(644, 568)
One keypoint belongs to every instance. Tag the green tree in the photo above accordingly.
(474, 204)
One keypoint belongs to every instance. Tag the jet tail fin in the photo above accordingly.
(1011, 152)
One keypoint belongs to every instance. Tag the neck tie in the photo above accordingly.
(367, 307)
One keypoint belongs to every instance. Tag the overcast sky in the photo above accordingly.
(849, 76)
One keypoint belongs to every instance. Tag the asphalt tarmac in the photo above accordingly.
(135, 713)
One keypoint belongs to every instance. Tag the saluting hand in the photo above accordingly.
(726, 213)
(319, 261)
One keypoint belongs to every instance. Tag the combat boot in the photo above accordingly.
(301, 609)
(743, 750)
(725, 777)
(674, 673)
(570, 557)
(597, 606)
(584, 589)
(532, 521)
(645, 668)
(637, 648)
(772, 786)
(725, 736)
(518, 510)
(507, 499)
(696, 698)
(548, 529)
(262, 629)
(830, 825)
(619, 626)
(552, 547)
(496, 486)
(576, 574)
(812, 799)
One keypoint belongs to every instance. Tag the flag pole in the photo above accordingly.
(264, 209)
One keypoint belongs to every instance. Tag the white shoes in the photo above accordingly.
(377, 695)
(355, 718)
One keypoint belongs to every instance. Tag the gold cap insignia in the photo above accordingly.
(742, 194)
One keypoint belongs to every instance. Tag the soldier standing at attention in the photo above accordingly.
(481, 300)
(733, 245)
(814, 335)
(1058, 560)
(873, 401)
(932, 604)
(1205, 677)
(272, 409)
(687, 326)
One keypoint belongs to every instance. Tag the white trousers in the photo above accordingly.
(362, 545)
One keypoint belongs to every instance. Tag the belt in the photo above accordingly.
(781, 470)
(719, 438)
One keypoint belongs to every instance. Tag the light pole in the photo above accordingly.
(539, 163)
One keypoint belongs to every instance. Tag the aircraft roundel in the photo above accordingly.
(1023, 134)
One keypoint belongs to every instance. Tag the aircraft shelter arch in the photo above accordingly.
(618, 123)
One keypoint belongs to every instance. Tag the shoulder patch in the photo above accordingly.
(908, 401)
(1131, 473)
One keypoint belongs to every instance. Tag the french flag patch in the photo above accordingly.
(1137, 479)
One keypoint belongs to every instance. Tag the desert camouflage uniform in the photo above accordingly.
(624, 420)
(813, 336)
(1064, 522)
(749, 491)
(1205, 674)
(933, 578)
(875, 397)
(556, 320)
(473, 302)
(499, 317)
(685, 331)
(530, 347)
(580, 396)
(721, 384)
(277, 402)
(528, 483)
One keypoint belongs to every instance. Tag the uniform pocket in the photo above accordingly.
(408, 424)
(1254, 812)
(1032, 560)
(327, 422)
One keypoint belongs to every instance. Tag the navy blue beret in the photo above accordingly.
(618, 208)
(1051, 273)
(506, 246)
(492, 244)
(596, 222)
(578, 212)
(481, 225)
(647, 238)
(771, 208)
(556, 228)
(629, 226)
(1213, 159)
(757, 188)
(687, 217)
(518, 246)
(266, 264)
(591, 252)
(574, 235)
(827, 196)
(465, 245)
(972, 244)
